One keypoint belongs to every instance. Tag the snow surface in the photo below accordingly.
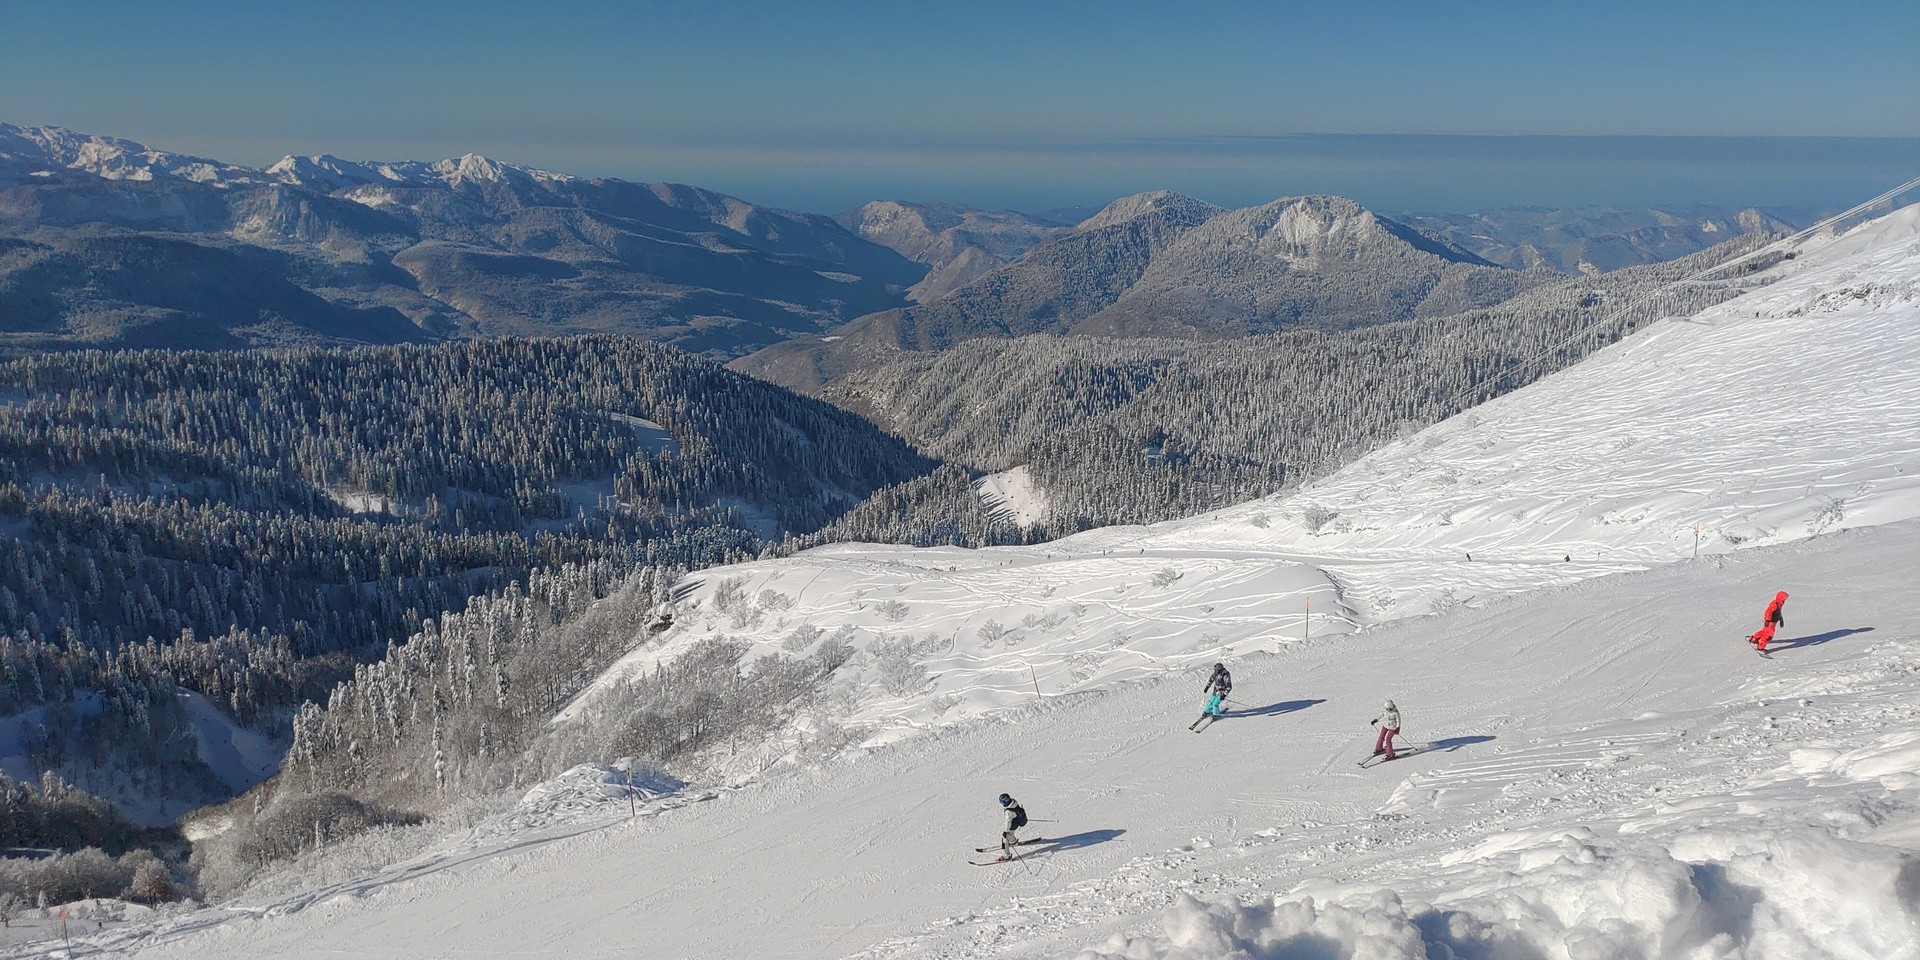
(1012, 495)
(239, 757)
(1602, 768)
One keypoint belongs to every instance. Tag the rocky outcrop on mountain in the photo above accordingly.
(411, 250)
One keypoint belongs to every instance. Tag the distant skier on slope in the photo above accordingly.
(1775, 616)
(1016, 818)
(1389, 723)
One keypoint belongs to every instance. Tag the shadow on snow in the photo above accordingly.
(1079, 840)
(1818, 638)
(1271, 709)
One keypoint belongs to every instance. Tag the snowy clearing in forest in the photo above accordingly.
(1012, 496)
(1601, 766)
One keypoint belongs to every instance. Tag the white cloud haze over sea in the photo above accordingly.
(1385, 171)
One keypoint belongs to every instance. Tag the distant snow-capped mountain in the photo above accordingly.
(27, 151)
(959, 243)
(118, 244)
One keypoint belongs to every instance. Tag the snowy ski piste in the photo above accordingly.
(1599, 765)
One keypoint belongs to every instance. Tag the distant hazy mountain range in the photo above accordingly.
(107, 242)
(1168, 265)
(1598, 239)
(958, 243)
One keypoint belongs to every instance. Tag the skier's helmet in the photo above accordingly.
(1390, 705)
(1006, 800)
(1219, 668)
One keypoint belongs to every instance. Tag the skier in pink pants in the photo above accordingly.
(1389, 723)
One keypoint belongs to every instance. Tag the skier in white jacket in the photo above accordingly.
(1389, 723)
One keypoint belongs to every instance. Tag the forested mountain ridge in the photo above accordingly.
(1160, 264)
(1065, 278)
(248, 525)
(1320, 262)
(1135, 430)
(959, 243)
(107, 243)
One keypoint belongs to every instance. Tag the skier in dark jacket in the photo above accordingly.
(1219, 683)
(1016, 818)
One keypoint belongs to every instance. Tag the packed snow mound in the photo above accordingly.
(591, 789)
(1756, 894)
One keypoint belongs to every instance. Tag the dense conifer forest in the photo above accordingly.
(249, 526)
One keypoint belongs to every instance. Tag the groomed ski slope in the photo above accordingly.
(1612, 771)
(1614, 774)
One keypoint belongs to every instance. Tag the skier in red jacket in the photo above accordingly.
(1774, 617)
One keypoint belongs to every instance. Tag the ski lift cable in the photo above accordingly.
(1614, 315)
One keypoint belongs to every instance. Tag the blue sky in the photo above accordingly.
(1033, 104)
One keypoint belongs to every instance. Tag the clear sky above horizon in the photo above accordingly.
(1029, 105)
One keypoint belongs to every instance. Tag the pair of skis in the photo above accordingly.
(1004, 857)
(1383, 758)
(1207, 718)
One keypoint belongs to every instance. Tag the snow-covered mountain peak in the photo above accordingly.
(328, 172)
(1181, 208)
(1305, 227)
(470, 166)
(880, 219)
(1307, 223)
(475, 168)
(111, 158)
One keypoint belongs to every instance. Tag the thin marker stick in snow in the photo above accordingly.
(633, 806)
(1306, 628)
(1696, 539)
(1036, 681)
